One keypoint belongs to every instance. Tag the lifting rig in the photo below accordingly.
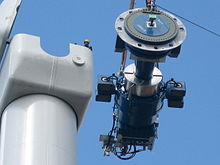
(150, 35)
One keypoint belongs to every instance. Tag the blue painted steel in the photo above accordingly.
(148, 55)
(161, 28)
(135, 115)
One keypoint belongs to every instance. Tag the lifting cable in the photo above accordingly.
(191, 22)
(131, 6)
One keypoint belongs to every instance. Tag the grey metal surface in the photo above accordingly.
(139, 87)
(133, 57)
(121, 31)
(8, 12)
(165, 27)
(38, 130)
(28, 69)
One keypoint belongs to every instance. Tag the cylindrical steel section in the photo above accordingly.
(136, 117)
(144, 70)
(141, 87)
(38, 130)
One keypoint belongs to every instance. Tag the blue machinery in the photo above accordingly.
(150, 35)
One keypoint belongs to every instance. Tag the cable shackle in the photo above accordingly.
(150, 4)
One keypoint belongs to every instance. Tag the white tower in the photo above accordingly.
(43, 98)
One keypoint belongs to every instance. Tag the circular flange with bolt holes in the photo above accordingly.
(166, 34)
(163, 29)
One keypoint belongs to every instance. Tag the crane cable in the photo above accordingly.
(191, 22)
(132, 2)
(131, 6)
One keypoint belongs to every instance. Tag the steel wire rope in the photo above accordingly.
(191, 22)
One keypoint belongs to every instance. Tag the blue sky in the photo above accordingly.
(186, 136)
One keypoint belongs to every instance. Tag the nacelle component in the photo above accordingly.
(150, 36)
(150, 42)
(30, 70)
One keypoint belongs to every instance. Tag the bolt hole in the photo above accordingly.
(119, 28)
(171, 45)
(155, 47)
(139, 45)
(121, 19)
(130, 12)
(182, 28)
(174, 19)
